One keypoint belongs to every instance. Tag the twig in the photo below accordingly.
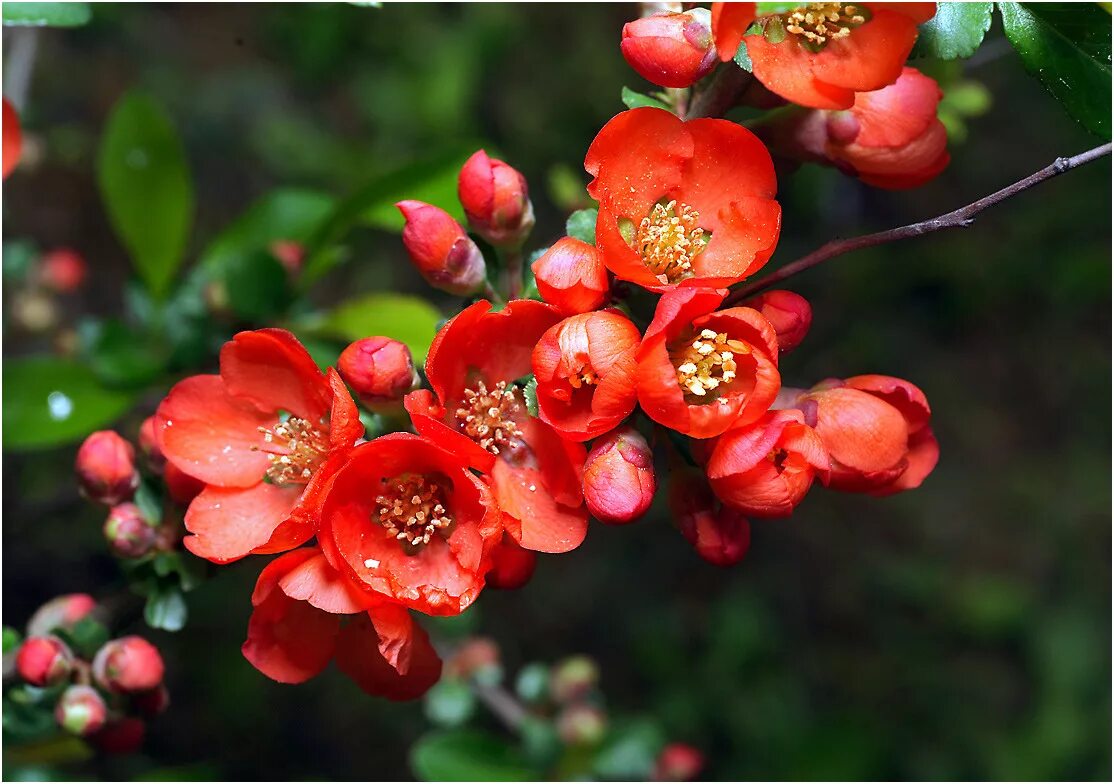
(728, 84)
(21, 63)
(502, 703)
(957, 219)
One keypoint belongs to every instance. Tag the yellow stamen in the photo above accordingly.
(818, 23)
(295, 448)
(488, 418)
(412, 509)
(668, 239)
(708, 363)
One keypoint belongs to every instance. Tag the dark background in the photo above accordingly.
(959, 631)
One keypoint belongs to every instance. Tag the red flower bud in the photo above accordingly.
(149, 446)
(379, 370)
(152, 702)
(123, 736)
(62, 270)
(13, 139)
(571, 276)
(128, 533)
(44, 661)
(61, 612)
(127, 665)
(476, 654)
(496, 200)
(290, 255)
(678, 762)
(671, 49)
(719, 534)
(573, 678)
(511, 566)
(106, 468)
(80, 710)
(181, 487)
(619, 479)
(789, 314)
(581, 725)
(444, 255)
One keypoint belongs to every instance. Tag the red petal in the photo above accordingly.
(728, 162)
(317, 583)
(871, 57)
(531, 516)
(786, 69)
(729, 22)
(359, 657)
(228, 523)
(744, 236)
(278, 568)
(13, 139)
(273, 370)
(427, 416)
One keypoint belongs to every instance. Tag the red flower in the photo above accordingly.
(585, 367)
(475, 411)
(821, 54)
(440, 249)
(44, 661)
(571, 276)
(496, 200)
(265, 436)
(765, 469)
(511, 566)
(701, 372)
(682, 203)
(13, 139)
(379, 370)
(619, 481)
(678, 762)
(105, 468)
(789, 314)
(408, 520)
(670, 49)
(62, 270)
(876, 431)
(719, 534)
(296, 629)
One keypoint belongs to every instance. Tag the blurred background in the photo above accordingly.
(959, 631)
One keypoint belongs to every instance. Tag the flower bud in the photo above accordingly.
(619, 481)
(123, 736)
(512, 566)
(581, 725)
(671, 49)
(44, 661)
(152, 702)
(788, 313)
(379, 370)
(80, 710)
(61, 612)
(678, 762)
(127, 665)
(62, 270)
(106, 468)
(571, 276)
(13, 139)
(149, 446)
(444, 255)
(496, 200)
(180, 486)
(476, 655)
(128, 533)
(720, 535)
(290, 255)
(573, 678)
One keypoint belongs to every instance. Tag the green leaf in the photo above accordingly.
(50, 401)
(149, 503)
(189, 570)
(86, 636)
(46, 14)
(409, 319)
(145, 183)
(956, 30)
(257, 286)
(635, 100)
(166, 609)
(1067, 47)
(466, 755)
(532, 683)
(742, 57)
(530, 395)
(581, 225)
(629, 751)
(449, 703)
(11, 639)
(19, 259)
(121, 355)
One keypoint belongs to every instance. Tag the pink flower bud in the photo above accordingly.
(379, 370)
(61, 612)
(678, 762)
(581, 725)
(105, 468)
(496, 200)
(511, 566)
(44, 661)
(573, 678)
(571, 276)
(80, 710)
(719, 534)
(444, 255)
(181, 487)
(619, 479)
(152, 702)
(788, 313)
(128, 533)
(149, 446)
(476, 654)
(127, 665)
(62, 270)
(290, 255)
(671, 49)
(123, 736)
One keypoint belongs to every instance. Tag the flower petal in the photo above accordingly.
(359, 657)
(228, 523)
(274, 371)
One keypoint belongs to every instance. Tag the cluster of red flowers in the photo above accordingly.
(561, 402)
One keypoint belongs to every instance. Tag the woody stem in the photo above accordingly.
(513, 274)
(956, 219)
(728, 84)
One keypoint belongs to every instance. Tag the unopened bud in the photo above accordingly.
(62, 270)
(512, 566)
(572, 277)
(61, 612)
(105, 468)
(678, 762)
(789, 314)
(720, 535)
(573, 678)
(671, 49)
(619, 479)
(581, 725)
(123, 736)
(441, 250)
(149, 446)
(80, 710)
(44, 661)
(127, 665)
(496, 200)
(478, 656)
(128, 533)
(152, 702)
(290, 255)
(379, 370)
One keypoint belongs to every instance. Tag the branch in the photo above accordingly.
(957, 219)
(502, 703)
(727, 86)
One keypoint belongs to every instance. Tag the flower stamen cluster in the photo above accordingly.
(818, 23)
(488, 417)
(295, 448)
(708, 362)
(413, 509)
(668, 239)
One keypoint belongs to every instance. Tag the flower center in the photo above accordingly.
(583, 377)
(488, 418)
(708, 363)
(818, 23)
(295, 448)
(778, 457)
(412, 508)
(668, 239)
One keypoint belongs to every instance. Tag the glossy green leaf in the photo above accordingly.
(634, 100)
(742, 57)
(1067, 47)
(530, 396)
(46, 14)
(466, 755)
(121, 355)
(449, 703)
(956, 30)
(409, 319)
(145, 183)
(85, 637)
(166, 609)
(581, 225)
(256, 286)
(50, 401)
(11, 639)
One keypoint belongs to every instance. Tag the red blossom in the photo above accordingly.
(81, 710)
(496, 200)
(511, 566)
(670, 49)
(44, 661)
(379, 370)
(62, 270)
(788, 313)
(61, 612)
(571, 276)
(105, 467)
(128, 665)
(13, 139)
(441, 250)
(619, 481)
(719, 534)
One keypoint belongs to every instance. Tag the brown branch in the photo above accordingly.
(502, 703)
(727, 86)
(956, 219)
